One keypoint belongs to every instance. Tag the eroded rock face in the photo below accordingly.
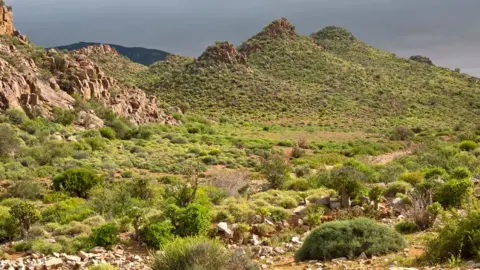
(98, 49)
(6, 21)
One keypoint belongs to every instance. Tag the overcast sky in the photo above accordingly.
(448, 31)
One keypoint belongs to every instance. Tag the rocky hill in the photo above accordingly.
(331, 78)
(139, 55)
(37, 81)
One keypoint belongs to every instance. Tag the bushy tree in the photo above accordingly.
(24, 214)
(76, 181)
(185, 192)
(275, 170)
(193, 220)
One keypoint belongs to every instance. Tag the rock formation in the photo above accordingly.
(6, 20)
(37, 88)
(222, 52)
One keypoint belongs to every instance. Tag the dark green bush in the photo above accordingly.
(105, 235)
(159, 234)
(108, 133)
(454, 193)
(275, 170)
(179, 140)
(192, 220)
(199, 254)
(467, 145)
(412, 178)
(406, 227)
(349, 238)
(76, 181)
(298, 185)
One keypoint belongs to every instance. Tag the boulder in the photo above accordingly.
(223, 227)
(53, 263)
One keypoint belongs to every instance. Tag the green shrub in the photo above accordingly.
(349, 238)
(454, 193)
(64, 212)
(76, 181)
(413, 178)
(467, 145)
(397, 187)
(302, 171)
(406, 227)
(275, 170)
(461, 173)
(63, 117)
(194, 220)
(105, 235)
(459, 238)
(287, 202)
(278, 213)
(199, 254)
(313, 215)
(159, 234)
(298, 185)
(401, 134)
(8, 228)
(179, 140)
(44, 247)
(26, 190)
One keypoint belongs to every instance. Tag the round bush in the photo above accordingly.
(406, 227)
(467, 145)
(105, 235)
(76, 181)
(349, 238)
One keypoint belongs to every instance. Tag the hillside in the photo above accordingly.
(139, 55)
(330, 78)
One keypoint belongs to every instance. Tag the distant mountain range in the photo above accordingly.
(136, 54)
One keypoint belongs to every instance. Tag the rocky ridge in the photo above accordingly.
(37, 85)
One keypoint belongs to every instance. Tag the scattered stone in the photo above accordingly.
(83, 255)
(73, 258)
(223, 227)
(279, 250)
(53, 263)
(362, 256)
(97, 250)
(341, 259)
(255, 240)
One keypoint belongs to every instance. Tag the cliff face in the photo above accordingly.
(37, 81)
(6, 21)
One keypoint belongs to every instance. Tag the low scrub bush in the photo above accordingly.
(397, 187)
(199, 254)
(467, 145)
(349, 238)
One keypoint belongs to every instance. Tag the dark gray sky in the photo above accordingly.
(448, 31)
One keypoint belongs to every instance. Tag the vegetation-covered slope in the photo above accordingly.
(330, 77)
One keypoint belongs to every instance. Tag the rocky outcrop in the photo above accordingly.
(222, 53)
(98, 50)
(6, 20)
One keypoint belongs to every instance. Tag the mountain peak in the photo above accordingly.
(222, 52)
(279, 28)
(334, 33)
